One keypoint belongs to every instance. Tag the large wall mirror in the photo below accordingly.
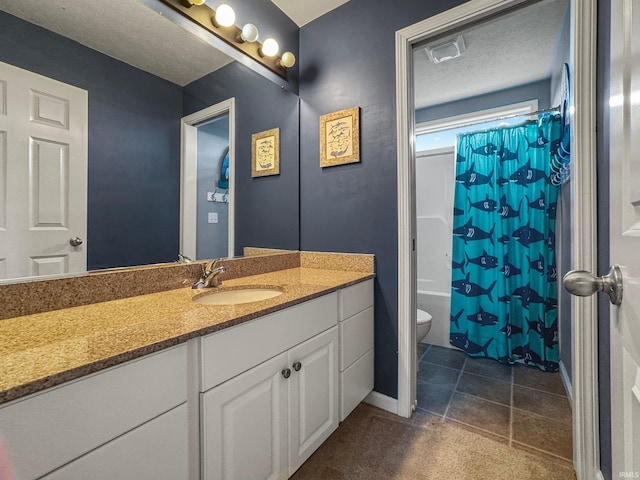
(140, 73)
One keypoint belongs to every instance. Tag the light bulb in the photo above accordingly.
(288, 60)
(196, 2)
(270, 47)
(225, 16)
(249, 33)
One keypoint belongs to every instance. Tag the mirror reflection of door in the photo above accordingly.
(213, 189)
(43, 175)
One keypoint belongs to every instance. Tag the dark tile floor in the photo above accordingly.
(519, 406)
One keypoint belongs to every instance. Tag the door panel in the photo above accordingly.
(43, 174)
(313, 395)
(625, 236)
(245, 425)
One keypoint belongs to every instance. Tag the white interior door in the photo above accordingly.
(43, 175)
(625, 236)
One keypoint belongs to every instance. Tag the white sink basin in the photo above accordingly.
(235, 297)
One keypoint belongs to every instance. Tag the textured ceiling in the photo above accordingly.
(128, 31)
(305, 11)
(509, 51)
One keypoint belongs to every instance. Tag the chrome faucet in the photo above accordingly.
(210, 275)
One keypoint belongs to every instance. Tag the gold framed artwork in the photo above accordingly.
(340, 137)
(265, 153)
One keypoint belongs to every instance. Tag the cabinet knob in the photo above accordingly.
(286, 373)
(297, 366)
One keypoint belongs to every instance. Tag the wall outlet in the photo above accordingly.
(213, 217)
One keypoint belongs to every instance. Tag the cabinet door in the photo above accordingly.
(245, 425)
(313, 395)
(157, 450)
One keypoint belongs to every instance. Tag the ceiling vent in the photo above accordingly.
(445, 50)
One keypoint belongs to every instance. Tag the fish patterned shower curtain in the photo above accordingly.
(504, 278)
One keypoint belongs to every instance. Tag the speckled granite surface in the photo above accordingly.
(41, 350)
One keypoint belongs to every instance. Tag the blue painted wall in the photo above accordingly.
(267, 209)
(134, 142)
(212, 240)
(532, 91)
(347, 59)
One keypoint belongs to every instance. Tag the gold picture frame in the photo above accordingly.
(340, 137)
(265, 153)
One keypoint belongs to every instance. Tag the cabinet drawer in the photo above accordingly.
(255, 341)
(355, 298)
(48, 429)
(356, 337)
(355, 384)
(157, 450)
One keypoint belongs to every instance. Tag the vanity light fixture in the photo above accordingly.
(288, 60)
(221, 23)
(224, 16)
(270, 48)
(249, 33)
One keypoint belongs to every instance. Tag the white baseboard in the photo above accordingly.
(564, 375)
(382, 401)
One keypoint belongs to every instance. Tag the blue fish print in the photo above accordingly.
(511, 330)
(486, 205)
(461, 341)
(457, 211)
(502, 181)
(469, 289)
(486, 150)
(509, 270)
(551, 241)
(460, 158)
(458, 266)
(552, 273)
(550, 304)
(504, 299)
(526, 175)
(485, 260)
(536, 326)
(506, 210)
(527, 235)
(526, 354)
(550, 366)
(537, 265)
(471, 178)
(527, 296)
(483, 318)
(539, 142)
(551, 210)
(538, 203)
(505, 154)
(504, 239)
(455, 318)
(470, 233)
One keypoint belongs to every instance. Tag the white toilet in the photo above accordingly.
(423, 325)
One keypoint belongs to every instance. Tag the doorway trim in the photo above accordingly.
(189, 173)
(586, 455)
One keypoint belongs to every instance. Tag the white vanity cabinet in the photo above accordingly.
(125, 422)
(265, 422)
(356, 345)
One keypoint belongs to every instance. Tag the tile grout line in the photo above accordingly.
(511, 411)
(455, 388)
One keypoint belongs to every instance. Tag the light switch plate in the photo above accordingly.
(213, 217)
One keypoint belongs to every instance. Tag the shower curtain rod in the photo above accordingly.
(505, 117)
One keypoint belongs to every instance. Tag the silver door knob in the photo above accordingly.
(75, 241)
(583, 284)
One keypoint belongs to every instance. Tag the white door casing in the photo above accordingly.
(584, 321)
(189, 174)
(624, 236)
(43, 175)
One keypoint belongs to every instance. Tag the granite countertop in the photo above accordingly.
(45, 349)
